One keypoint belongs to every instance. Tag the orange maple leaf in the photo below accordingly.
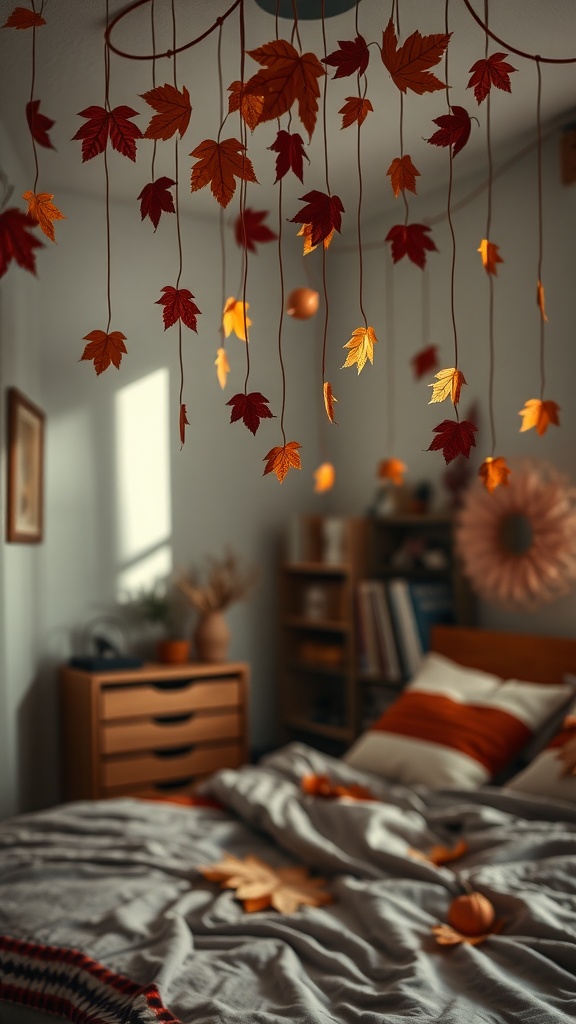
(234, 318)
(322, 785)
(448, 384)
(259, 886)
(23, 17)
(494, 473)
(408, 64)
(392, 469)
(355, 111)
(541, 300)
(183, 423)
(490, 256)
(282, 458)
(539, 414)
(173, 108)
(403, 175)
(249, 105)
(41, 208)
(361, 347)
(287, 77)
(329, 400)
(222, 367)
(441, 854)
(324, 477)
(218, 164)
(104, 349)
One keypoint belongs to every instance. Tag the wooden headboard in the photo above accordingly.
(537, 659)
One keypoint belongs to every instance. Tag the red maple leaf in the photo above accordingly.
(173, 108)
(355, 110)
(493, 70)
(104, 349)
(23, 17)
(105, 124)
(178, 305)
(323, 213)
(408, 64)
(454, 438)
(249, 229)
(218, 164)
(290, 150)
(453, 129)
(425, 360)
(155, 199)
(352, 57)
(39, 124)
(183, 423)
(287, 77)
(410, 240)
(17, 242)
(250, 409)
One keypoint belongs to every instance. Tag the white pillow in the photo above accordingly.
(545, 776)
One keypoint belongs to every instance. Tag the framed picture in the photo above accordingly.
(25, 518)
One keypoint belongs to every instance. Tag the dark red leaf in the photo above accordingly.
(123, 133)
(410, 240)
(290, 150)
(17, 241)
(425, 360)
(323, 213)
(39, 124)
(453, 129)
(454, 438)
(184, 422)
(104, 348)
(102, 124)
(155, 199)
(249, 229)
(351, 59)
(494, 70)
(178, 305)
(250, 409)
(23, 17)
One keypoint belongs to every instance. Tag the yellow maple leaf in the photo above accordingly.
(306, 231)
(324, 477)
(392, 469)
(494, 473)
(329, 399)
(222, 367)
(541, 300)
(361, 347)
(43, 210)
(260, 886)
(234, 319)
(448, 383)
(282, 458)
(490, 256)
(539, 414)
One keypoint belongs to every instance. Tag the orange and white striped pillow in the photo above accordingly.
(548, 775)
(454, 726)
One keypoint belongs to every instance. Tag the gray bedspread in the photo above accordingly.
(119, 881)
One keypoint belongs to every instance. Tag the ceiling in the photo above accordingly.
(70, 77)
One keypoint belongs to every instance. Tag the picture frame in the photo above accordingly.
(25, 491)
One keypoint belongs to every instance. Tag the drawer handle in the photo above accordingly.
(173, 719)
(171, 784)
(170, 684)
(174, 751)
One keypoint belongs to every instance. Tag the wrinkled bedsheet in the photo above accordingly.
(118, 880)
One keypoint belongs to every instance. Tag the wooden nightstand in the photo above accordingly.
(153, 730)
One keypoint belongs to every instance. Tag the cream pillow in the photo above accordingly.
(548, 774)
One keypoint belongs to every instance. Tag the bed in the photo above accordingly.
(127, 910)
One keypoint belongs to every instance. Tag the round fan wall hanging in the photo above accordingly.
(518, 543)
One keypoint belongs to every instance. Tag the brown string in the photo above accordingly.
(243, 189)
(449, 213)
(540, 224)
(281, 320)
(153, 33)
(168, 53)
(359, 163)
(491, 362)
(325, 140)
(513, 49)
(107, 178)
(177, 210)
(221, 208)
(32, 87)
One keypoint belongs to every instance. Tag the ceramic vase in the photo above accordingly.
(173, 652)
(212, 637)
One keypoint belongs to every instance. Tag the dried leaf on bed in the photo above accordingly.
(260, 886)
(321, 785)
(440, 854)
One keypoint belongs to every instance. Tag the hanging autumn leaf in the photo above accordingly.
(453, 129)
(250, 409)
(307, 231)
(260, 886)
(539, 414)
(403, 175)
(287, 77)
(183, 423)
(323, 213)
(350, 59)
(493, 70)
(17, 241)
(174, 109)
(410, 240)
(105, 124)
(290, 150)
(361, 347)
(234, 318)
(155, 199)
(490, 256)
(104, 349)
(424, 361)
(222, 367)
(249, 105)
(324, 478)
(249, 229)
(355, 111)
(392, 469)
(39, 124)
(329, 400)
(178, 305)
(408, 64)
(279, 460)
(494, 473)
(23, 17)
(454, 438)
(541, 300)
(218, 164)
(448, 385)
(41, 208)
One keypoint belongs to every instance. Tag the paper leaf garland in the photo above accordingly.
(322, 214)
(393, 470)
(102, 125)
(453, 129)
(222, 367)
(410, 240)
(453, 438)
(329, 400)
(218, 164)
(282, 458)
(41, 209)
(250, 409)
(287, 77)
(350, 59)
(174, 110)
(493, 70)
(448, 385)
(424, 360)
(249, 229)
(260, 886)
(183, 422)
(403, 175)
(17, 240)
(490, 256)
(39, 124)
(178, 305)
(355, 111)
(409, 64)
(104, 349)
(156, 199)
(324, 478)
(233, 318)
(539, 414)
(290, 150)
(361, 347)
(23, 17)
(494, 473)
(250, 106)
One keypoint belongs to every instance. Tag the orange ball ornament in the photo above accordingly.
(472, 914)
(302, 303)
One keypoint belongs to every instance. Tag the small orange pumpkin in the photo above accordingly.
(472, 914)
(302, 303)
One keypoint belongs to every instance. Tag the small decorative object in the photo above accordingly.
(471, 920)
(25, 470)
(225, 582)
(302, 303)
(104, 644)
(157, 607)
(315, 602)
(333, 540)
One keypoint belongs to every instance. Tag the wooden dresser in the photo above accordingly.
(151, 731)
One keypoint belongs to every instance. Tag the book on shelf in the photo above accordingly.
(405, 626)
(433, 604)
(368, 657)
(377, 647)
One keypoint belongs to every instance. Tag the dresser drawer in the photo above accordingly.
(168, 699)
(120, 737)
(156, 767)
